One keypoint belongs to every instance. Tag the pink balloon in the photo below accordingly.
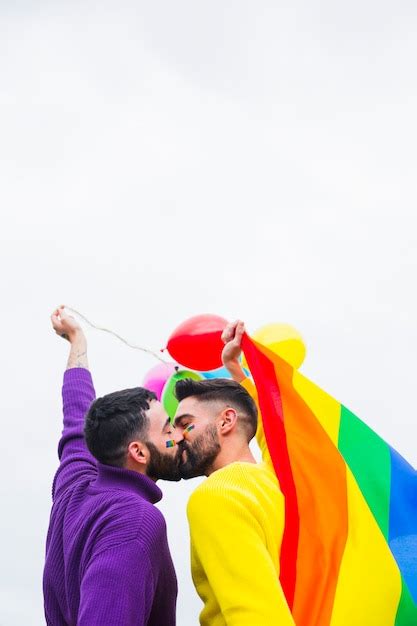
(156, 378)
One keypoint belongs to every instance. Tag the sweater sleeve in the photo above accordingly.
(248, 384)
(76, 462)
(117, 587)
(232, 552)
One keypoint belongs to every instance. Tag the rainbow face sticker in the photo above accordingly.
(187, 430)
(171, 443)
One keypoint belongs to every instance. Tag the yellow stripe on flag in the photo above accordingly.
(369, 584)
(325, 408)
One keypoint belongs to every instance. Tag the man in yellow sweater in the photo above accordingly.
(236, 515)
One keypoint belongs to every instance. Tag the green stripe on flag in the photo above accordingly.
(407, 610)
(368, 457)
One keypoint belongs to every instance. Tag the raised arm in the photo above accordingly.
(76, 462)
(232, 338)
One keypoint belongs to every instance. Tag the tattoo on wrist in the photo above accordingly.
(77, 358)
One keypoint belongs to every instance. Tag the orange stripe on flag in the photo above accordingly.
(319, 493)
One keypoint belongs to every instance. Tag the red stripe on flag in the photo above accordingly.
(263, 373)
(312, 475)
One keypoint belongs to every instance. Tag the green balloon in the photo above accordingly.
(168, 398)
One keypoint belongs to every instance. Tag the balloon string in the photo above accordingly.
(111, 332)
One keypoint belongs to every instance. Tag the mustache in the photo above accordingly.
(182, 445)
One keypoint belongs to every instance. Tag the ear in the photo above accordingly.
(138, 453)
(227, 421)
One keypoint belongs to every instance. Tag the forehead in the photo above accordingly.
(196, 408)
(156, 414)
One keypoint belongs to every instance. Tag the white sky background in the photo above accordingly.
(163, 159)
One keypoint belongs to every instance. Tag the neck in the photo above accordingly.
(232, 454)
(138, 468)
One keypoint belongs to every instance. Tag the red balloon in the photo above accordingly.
(197, 344)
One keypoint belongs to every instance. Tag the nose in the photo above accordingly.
(178, 435)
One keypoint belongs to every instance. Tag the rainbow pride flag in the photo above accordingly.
(349, 549)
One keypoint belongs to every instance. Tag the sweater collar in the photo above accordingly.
(110, 477)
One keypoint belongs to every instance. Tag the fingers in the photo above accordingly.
(56, 319)
(65, 317)
(62, 313)
(229, 332)
(240, 329)
(56, 322)
(233, 330)
(58, 311)
(65, 325)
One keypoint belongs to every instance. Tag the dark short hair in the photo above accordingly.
(224, 390)
(114, 420)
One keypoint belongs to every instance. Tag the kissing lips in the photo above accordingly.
(182, 453)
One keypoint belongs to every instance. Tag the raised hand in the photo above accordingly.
(232, 338)
(65, 325)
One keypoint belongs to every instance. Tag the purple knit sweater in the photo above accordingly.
(107, 556)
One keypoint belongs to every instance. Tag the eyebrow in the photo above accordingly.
(184, 416)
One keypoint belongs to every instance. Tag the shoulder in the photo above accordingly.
(236, 483)
(237, 475)
(143, 515)
(151, 533)
(125, 518)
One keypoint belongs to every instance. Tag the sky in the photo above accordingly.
(158, 160)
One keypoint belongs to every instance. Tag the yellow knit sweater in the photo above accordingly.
(236, 519)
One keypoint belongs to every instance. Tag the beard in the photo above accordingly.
(163, 466)
(200, 454)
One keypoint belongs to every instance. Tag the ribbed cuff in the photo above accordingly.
(77, 374)
(76, 380)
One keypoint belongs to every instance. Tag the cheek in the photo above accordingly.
(195, 437)
(192, 433)
(168, 446)
(189, 437)
(169, 453)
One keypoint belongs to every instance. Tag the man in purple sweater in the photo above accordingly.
(107, 556)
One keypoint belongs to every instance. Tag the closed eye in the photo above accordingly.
(183, 421)
(168, 428)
